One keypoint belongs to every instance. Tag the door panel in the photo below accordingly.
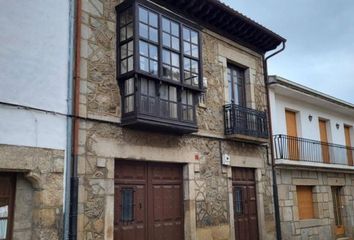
(7, 198)
(337, 211)
(324, 140)
(158, 201)
(245, 204)
(348, 143)
(291, 126)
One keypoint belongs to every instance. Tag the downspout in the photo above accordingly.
(69, 123)
(275, 186)
(76, 123)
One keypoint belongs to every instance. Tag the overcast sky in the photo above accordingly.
(320, 41)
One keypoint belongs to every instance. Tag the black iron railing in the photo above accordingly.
(245, 121)
(302, 149)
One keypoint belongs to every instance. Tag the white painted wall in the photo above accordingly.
(306, 128)
(33, 71)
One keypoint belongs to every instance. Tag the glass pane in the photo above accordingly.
(3, 228)
(123, 34)
(166, 25)
(129, 14)
(122, 18)
(143, 15)
(187, 77)
(123, 66)
(190, 98)
(143, 30)
(238, 201)
(130, 30)
(187, 48)
(4, 209)
(164, 109)
(127, 204)
(173, 110)
(130, 48)
(175, 60)
(175, 29)
(129, 86)
(166, 58)
(184, 97)
(190, 114)
(187, 64)
(153, 52)
(166, 39)
(144, 86)
(164, 92)
(152, 88)
(124, 51)
(173, 94)
(194, 37)
(195, 80)
(175, 43)
(195, 51)
(186, 34)
(175, 74)
(153, 67)
(144, 103)
(153, 19)
(129, 104)
(130, 64)
(194, 66)
(166, 71)
(144, 64)
(184, 113)
(143, 48)
(153, 34)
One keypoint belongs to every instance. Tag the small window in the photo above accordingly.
(4, 218)
(187, 106)
(129, 94)
(305, 202)
(168, 101)
(236, 85)
(127, 205)
(238, 201)
(148, 96)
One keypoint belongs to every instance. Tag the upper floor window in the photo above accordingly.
(166, 49)
(236, 85)
(159, 64)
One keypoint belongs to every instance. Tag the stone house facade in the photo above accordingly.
(314, 161)
(143, 177)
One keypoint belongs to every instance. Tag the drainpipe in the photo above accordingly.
(275, 186)
(76, 124)
(69, 123)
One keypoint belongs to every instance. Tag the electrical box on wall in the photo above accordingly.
(226, 160)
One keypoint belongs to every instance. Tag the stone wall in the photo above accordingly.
(208, 192)
(322, 227)
(39, 190)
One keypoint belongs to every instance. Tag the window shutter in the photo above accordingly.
(305, 202)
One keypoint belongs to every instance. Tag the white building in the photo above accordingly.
(34, 66)
(313, 149)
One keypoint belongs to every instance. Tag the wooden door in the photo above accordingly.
(291, 126)
(245, 204)
(148, 201)
(339, 228)
(324, 141)
(348, 144)
(7, 198)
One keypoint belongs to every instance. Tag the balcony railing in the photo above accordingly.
(245, 121)
(301, 149)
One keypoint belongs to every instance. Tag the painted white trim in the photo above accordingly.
(313, 164)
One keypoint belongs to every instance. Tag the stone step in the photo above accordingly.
(344, 238)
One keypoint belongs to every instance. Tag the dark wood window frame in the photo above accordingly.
(10, 199)
(179, 66)
(237, 84)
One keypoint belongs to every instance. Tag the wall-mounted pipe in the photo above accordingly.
(274, 177)
(69, 121)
